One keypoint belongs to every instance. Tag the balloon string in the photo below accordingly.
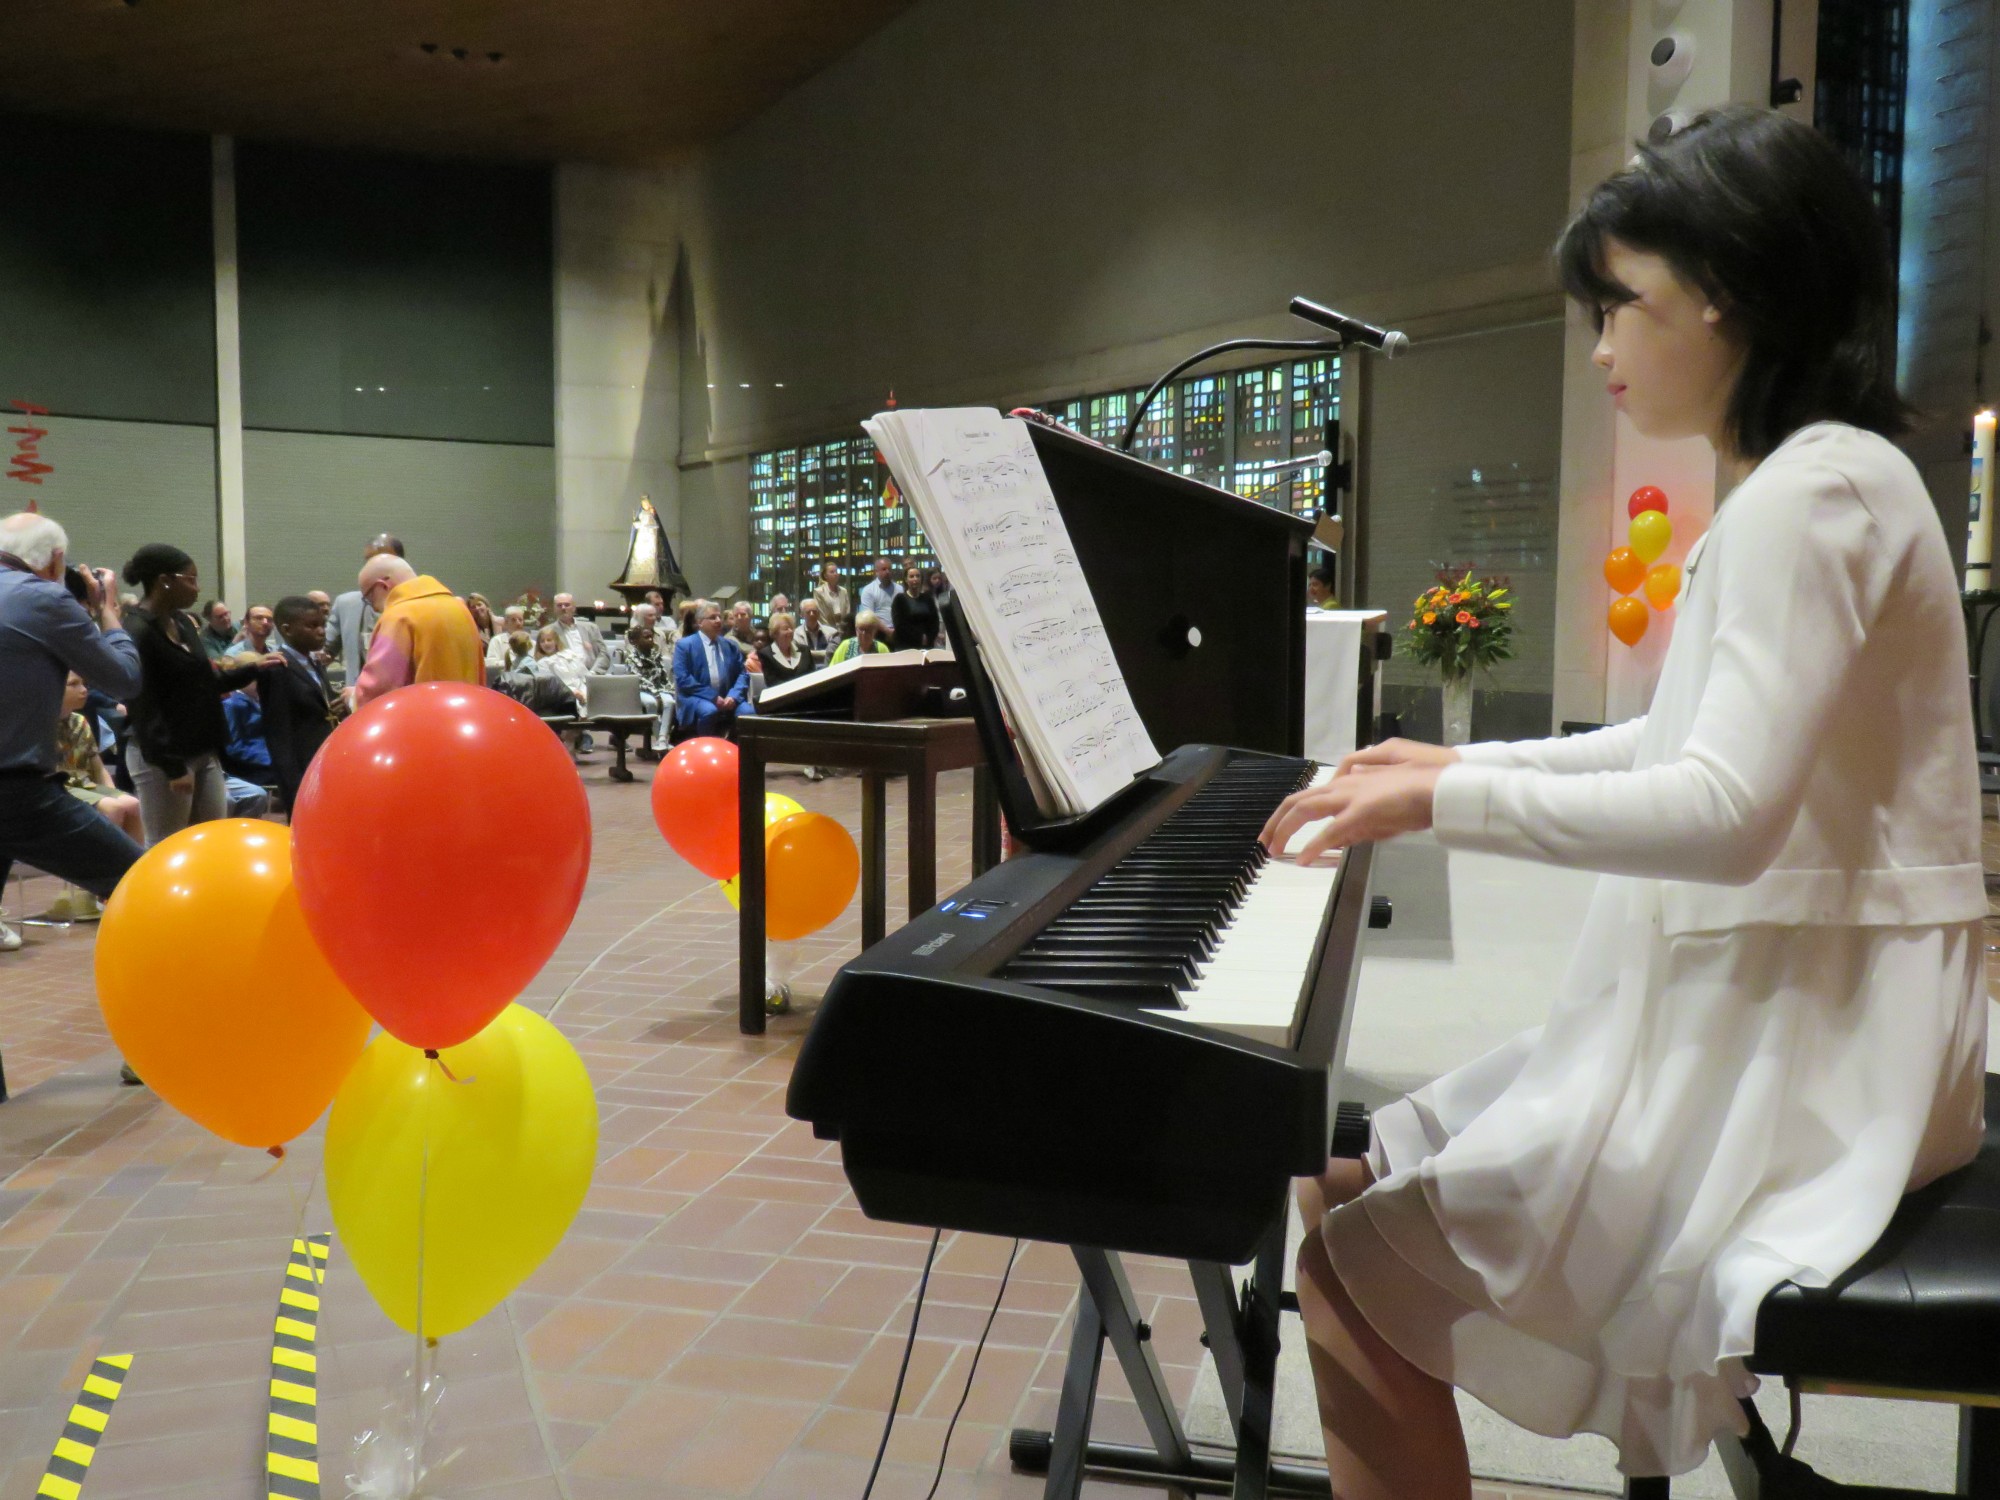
(444, 1067)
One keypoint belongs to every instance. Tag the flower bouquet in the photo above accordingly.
(1457, 627)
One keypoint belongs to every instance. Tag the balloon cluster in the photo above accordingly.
(811, 867)
(240, 966)
(1636, 567)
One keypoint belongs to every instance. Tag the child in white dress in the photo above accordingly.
(1774, 1025)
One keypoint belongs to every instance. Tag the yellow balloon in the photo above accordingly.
(474, 1180)
(732, 891)
(1650, 532)
(777, 805)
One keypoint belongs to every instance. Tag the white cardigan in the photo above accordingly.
(1808, 757)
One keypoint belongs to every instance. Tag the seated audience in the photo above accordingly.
(653, 665)
(743, 626)
(218, 629)
(711, 682)
(255, 639)
(83, 766)
(785, 656)
(663, 618)
(781, 604)
(178, 728)
(866, 638)
(246, 757)
(300, 707)
(820, 637)
(554, 657)
(482, 617)
(513, 621)
(915, 612)
(579, 635)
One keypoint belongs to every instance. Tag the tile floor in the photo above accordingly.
(721, 1321)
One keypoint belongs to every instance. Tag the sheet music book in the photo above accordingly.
(977, 487)
(816, 682)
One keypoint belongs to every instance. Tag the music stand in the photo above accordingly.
(1033, 827)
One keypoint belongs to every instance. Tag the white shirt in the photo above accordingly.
(714, 663)
(1808, 756)
(881, 598)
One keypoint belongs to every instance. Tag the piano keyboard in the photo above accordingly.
(1197, 919)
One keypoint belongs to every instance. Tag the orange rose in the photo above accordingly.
(1457, 599)
(1430, 618)
(1464, 618)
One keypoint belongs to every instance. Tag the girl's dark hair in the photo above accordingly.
(153, 560)
(1762, 214)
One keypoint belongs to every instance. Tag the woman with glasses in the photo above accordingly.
(178, 729)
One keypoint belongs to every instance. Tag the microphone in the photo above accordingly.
(1353, 330)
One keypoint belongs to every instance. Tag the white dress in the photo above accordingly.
(1765, 1036)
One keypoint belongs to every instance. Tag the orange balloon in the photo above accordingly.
(214, 990)
(1663, 585)
(811, 870)
(694, 804)
(1623, 570)
(1649, 534)
(415, 811)
(1629, 620)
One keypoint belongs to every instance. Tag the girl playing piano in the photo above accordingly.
(1774, 1025)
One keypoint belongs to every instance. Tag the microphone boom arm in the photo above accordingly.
(1326, 346)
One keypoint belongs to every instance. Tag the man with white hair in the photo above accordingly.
(424, 634)
(45, 634)
(513, 622)
(581, 636)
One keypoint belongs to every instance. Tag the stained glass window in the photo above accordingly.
(825, 500)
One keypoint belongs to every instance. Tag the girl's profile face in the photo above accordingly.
(1669, 366)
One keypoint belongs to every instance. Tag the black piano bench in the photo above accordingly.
(1916, 1319)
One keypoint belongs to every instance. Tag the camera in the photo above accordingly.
(77, 581)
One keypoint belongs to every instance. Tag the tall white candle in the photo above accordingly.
(1979, 513)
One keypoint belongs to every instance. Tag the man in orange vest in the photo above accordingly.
(425, 634)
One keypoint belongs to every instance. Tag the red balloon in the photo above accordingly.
(694, 802)
(1646, 497)
(415, 812)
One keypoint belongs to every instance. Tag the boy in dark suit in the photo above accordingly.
(299, 710)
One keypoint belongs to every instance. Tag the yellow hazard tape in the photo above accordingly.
(83, 1428)
(291, 1441)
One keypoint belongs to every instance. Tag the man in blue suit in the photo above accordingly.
(711, 683)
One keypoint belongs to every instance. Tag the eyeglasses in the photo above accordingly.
(193, 577)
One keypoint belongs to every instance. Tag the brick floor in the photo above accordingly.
(721, 1321)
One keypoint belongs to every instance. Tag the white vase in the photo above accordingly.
(1458, 710)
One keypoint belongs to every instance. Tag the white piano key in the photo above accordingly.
(1251, 984)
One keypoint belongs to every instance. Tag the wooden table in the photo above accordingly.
(916, 748)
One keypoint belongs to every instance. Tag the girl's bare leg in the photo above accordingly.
(1392, 1431)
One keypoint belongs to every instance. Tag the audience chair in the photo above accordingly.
(1916, 1319)
(615, 708)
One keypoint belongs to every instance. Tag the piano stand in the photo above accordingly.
(1242, 1334)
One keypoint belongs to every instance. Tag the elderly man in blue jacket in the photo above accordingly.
(45, 634)
(711, 681)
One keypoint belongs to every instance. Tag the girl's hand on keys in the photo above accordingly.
(1397, 753)
(1390, 800)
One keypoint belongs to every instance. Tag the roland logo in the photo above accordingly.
(934, 944)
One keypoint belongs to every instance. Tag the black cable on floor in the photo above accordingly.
(972, 1370)
(909, 1345)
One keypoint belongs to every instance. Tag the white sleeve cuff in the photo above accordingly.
(1459, 805)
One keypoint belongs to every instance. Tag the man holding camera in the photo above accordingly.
(54, 620)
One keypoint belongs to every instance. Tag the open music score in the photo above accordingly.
(976, 484)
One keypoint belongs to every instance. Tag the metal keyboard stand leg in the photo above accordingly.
(1242, 1335)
